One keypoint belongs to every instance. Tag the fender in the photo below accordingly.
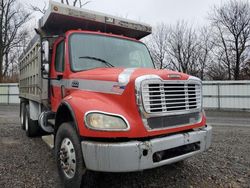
(65, 107)
(85, 101)
(74, 106)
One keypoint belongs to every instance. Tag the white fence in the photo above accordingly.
(9, 93)
(225, 95)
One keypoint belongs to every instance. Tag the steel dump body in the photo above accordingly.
(31, 85)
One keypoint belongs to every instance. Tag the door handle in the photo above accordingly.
(59, 77)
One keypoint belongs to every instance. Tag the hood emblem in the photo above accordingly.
(174, 76)
(75, 84)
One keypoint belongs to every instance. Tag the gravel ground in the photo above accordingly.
(26, 162)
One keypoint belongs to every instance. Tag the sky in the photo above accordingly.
(152, 12)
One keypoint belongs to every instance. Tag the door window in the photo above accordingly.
(59, 61)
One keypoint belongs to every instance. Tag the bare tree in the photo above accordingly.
(181, 47)
(203, 52)
(39, 9)
(12, 19)
(80, 3)
(157, 44)
(216, 71)
(246, 70)
(75, 3)
(231, 24)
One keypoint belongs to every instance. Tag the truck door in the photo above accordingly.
(57, 74)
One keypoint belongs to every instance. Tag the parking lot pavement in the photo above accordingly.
(228, 118)
(29, 163)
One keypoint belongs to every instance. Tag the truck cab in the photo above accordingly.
(94, 56)
(112, 110)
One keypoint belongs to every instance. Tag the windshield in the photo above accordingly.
(89, 51)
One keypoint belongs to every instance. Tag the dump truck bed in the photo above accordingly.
(60, 18)
(31, 85)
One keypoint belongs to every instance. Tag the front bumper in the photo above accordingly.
(130, 156)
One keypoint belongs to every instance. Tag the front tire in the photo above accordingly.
(69, 157)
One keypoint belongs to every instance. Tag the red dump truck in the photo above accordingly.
(88, 80)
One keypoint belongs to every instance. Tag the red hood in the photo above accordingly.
(111, 74)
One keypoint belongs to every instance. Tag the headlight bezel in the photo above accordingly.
(113, 115)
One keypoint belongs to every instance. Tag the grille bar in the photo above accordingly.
(183, 106)
(165, 87)
(173, 103)
(172, 95)
(197, 98)
(171, 91)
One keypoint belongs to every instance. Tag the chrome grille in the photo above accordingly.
(171, 96)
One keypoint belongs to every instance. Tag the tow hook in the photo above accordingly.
(145, 148)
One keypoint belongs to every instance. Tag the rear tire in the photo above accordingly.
(31, 126)
(22, 115)
(69, 156)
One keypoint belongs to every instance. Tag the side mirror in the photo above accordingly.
(45, 59)
(45, 51)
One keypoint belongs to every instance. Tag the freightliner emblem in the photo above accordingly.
(75, 84)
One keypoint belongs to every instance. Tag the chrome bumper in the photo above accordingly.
(130, 156)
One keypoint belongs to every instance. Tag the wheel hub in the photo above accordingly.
(67, 158)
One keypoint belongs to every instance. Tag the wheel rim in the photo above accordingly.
(67, 158)
(26, 122)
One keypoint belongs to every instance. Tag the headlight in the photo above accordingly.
(104, 121)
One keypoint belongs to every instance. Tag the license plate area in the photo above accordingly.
(175, 152)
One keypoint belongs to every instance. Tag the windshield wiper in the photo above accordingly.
(97, 59)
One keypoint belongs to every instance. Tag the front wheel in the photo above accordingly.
(69, 157)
